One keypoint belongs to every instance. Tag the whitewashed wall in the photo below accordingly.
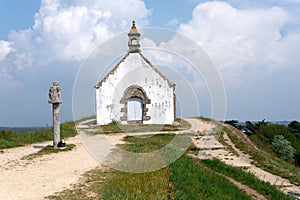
(135, 71)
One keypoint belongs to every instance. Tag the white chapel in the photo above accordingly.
(134, 91)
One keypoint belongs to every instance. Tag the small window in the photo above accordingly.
(134, 41)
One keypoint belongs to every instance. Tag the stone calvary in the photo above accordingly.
(55, 99)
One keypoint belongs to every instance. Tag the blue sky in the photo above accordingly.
(254, 44)
(16, 15)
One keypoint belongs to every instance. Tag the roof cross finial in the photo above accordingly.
(133, 27)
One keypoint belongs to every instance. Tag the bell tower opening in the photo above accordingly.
(134, 39)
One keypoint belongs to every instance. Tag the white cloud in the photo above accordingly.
(240, 39)
(173, 22)
(69, 30)
(5, 48)
(63, 35)
(146, 42)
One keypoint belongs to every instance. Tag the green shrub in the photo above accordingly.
(282, 147)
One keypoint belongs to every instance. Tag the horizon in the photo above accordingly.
(283, 122)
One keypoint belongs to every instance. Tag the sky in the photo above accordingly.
(253, 44)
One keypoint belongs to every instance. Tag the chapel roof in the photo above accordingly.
(171, 84)
(134, 30)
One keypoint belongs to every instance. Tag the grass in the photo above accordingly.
(148, 144)
(93, 117)
(206, 119)
(226, 145)
(261, 159)
(160, 149)
(116, 127)
(112, 184)
(48, 150)
(193, 150)
(10, 139)
(186, 178)
(122, 185)
(264, 188)
(89, 188)
(192, 181)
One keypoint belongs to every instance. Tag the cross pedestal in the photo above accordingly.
(55, 99)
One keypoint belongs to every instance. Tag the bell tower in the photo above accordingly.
(134, 39)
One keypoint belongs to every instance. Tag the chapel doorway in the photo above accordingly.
(135, 109)
(135, 100)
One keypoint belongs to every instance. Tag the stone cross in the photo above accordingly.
(55, 99)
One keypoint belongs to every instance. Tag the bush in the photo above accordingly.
(294, 127)
(234, 123)
(268, 132)
(282, 147)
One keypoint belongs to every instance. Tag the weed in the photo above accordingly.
(193, 149)
(48, 150)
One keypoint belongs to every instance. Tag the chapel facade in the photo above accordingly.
(135, 91)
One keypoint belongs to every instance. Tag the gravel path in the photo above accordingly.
(48, 174)
(42, 176)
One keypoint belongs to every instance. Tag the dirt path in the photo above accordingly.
(199, 125)
(43, 176)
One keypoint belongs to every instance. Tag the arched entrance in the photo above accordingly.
(135, 100)
(135, 109)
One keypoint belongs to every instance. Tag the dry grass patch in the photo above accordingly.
(48, 150)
